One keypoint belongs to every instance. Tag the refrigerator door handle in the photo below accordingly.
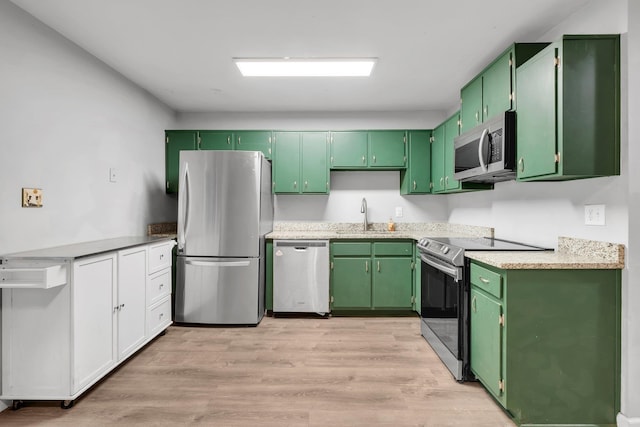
(183, 208)
(217, 263)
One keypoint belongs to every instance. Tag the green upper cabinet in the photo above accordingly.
(315, 170)
(300, 163)
(216, 140)
(451, 130)
(569, 110)
(492, 92)
(349, 149)
(437, 159)
(254, 140)
(416, 178)
(176, 141)
(387, 149)
(377, 149)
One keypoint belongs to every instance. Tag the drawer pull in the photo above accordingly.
(160, 316)
(483, 280)
(474, 306)
(366, 266)
(378, 266)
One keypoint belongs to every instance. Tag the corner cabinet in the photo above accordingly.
(375, 149)
(372, 276)
(569, 110)
(493, 91)
(416, 178)
(58, 342)
(300, 163)
(546, 343)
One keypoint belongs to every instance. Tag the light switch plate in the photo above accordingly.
(31, 198)
(399, 212)
(594, 214)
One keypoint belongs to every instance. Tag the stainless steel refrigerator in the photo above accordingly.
(225, 209)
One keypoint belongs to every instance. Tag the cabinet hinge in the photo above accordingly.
(273, 185)
(166, 139)
(556, 157)
(512, 96)
(501, 320)
(331, 299)
(167, 185)
(404, 139)
(269, 140)
(413, 265)
(404, 159)
(430, 185)
(331, 265)
(510, 62)
(501, 385)
(327, 185)
(431, 139)
(556, 61)
(413, 299)
(331, 159)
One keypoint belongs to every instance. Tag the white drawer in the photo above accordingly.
(158, 286)
(160, 256)
(158, 317)
(36, 276)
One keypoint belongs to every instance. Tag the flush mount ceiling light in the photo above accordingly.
(305, 67)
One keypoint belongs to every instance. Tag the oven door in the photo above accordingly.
(442, 311)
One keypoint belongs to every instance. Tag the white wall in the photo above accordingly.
(381, 189)
(65, 119)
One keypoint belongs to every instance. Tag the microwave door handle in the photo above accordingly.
(480, 146)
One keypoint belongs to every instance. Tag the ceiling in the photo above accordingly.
(181, 50)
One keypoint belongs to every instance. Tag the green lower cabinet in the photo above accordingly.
(176, 141)
(417, 285)
(351, 279)
(369, 275)
(546, 343)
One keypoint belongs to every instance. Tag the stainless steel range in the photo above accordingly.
(445, 295)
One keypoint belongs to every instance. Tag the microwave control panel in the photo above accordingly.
(495, 142)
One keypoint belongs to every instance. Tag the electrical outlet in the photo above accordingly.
(399, 212)
(594, 214)
(113, 175)
(31, 198)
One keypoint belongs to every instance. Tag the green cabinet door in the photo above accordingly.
(176, 141)
(216, 140)
(254, 140)
(349, 149)
(451, 130)
(387, 148)
(496, 87)
(536, 130)
(351, 283)
(471, 104)
(416, 179)
(417, 282)
(315, 170)
(437, 159)
(392, 282)
(286, 163)
(486, 341)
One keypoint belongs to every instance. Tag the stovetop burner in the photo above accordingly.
(451, 249)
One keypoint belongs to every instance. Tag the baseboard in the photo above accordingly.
(623, 421)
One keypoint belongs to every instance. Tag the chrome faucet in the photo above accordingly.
(363, 209)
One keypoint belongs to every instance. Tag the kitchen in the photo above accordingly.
(57, 97)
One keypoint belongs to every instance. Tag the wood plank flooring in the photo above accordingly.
(341, 371)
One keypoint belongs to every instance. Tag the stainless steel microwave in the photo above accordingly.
(487, 153)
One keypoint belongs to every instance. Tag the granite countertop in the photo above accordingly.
(341, 231)
(572, 253)
(79, 250)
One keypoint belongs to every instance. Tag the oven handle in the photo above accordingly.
(449, 270)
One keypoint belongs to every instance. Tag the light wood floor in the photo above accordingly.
(285, 372)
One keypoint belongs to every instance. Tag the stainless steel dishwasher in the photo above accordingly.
(301, 276)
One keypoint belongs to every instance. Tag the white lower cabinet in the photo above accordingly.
(59, 341)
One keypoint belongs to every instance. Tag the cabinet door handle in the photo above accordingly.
(306, 184)
(486, 111)
(363, 159)
(161, 286)
(228, 140)
(295, 184)
(374, 159)
(378, 266)
(446, 180)
(474, 305)
(441, 181)
(239, 140)
(521, 164)
(366, 266)
(414, 184)
(477, 117)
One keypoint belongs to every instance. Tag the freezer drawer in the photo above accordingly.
(219, 290)
(301, 276)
